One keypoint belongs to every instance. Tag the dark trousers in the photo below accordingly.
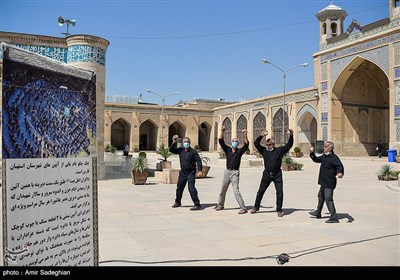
(326, 195)
(189, 178)
(264, 184)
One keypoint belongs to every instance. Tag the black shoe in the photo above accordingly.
(176, 205)
(332, 221)
(315, 214)
(195, 208)
(219, 208)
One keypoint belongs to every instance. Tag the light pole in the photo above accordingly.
(284, 90)
(162, 111)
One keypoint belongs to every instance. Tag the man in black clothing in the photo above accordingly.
(272, 170)
(379, 148)
(331, 168)
(188, 159)
(232, 173)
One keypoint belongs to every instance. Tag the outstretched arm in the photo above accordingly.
(257, 142)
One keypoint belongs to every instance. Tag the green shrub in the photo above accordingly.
(297, 150)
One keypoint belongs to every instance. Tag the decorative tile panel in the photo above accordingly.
(324, 71)
(394, 23)
(325, 132)
(397, 111)
(397, 92)
(324, 86)
(397, 130)
(324, 100)
(396, 50)
(379, 56)
(59, 54)
(324, 117)
(85, 53)
(397, 72)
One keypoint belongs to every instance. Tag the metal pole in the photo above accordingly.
(284, 91)
(162, 111)
(162, 121)
(283, 113)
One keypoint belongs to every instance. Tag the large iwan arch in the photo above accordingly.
(360, 101)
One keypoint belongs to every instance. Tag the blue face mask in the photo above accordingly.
(186, 145)
(235, 144)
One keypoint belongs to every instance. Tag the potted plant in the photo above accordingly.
(387, 173)
(140, 168)
(297, 152)
(288, 164)
(205, 161)
(197, 148)
(110, 149)
(165, 153)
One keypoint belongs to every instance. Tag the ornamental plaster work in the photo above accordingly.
(379, 56)
(395, 23)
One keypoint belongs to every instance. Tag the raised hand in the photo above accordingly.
(311, 149)
(264, 133)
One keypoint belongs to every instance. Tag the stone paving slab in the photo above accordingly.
(137, 223)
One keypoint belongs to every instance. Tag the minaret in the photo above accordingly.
(394, 8)
(331, 20)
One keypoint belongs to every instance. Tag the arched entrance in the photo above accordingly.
(306, 127)
(360, 101)
(204, 136)
(176, 128)
(148, 136)
(277, 132)
(120, 133)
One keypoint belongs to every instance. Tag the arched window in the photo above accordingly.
(334, 29)
(278, 133)
(259, 125)
(240, 126)
(228, 132)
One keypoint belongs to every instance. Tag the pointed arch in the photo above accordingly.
(204, 136)
(241, 125)
(259, 125)
(228, 132)
(278, 131)
(306, 126)
(148, 135)
(120, 133)
(176, 128)
(359, 94)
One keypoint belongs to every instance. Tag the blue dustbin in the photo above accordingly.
(392, 155)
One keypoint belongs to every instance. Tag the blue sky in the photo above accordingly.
(199, 48)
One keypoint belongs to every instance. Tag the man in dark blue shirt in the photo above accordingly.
(272, 170)
(331, 168)
(231, 174)
(188, 159)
